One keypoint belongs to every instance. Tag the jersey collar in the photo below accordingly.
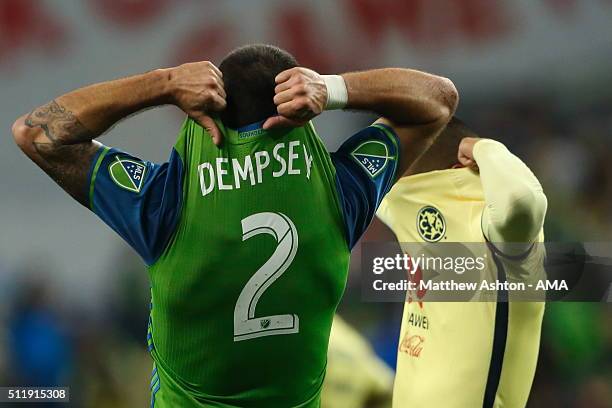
(251, 132)
(441, 185)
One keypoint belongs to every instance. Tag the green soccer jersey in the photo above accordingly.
(247, 248)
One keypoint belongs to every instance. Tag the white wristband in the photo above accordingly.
(337, 94)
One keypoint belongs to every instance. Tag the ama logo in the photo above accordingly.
(128, 174)
(431, 224)
(373, 156)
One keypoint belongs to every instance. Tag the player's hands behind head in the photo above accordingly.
(197, 89)
(466, 151)
(301, 94)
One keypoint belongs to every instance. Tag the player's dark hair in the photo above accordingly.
(442, 154)
(248, 76)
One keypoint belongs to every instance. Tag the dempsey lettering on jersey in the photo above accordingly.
(283, 161)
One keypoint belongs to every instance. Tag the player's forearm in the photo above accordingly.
(516, 204)
(86, 113)
(58, 136)
(404, 96)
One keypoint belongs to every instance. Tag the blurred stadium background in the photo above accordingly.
(536, 74)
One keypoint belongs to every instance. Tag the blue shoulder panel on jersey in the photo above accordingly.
(366, 166)
(140, 200)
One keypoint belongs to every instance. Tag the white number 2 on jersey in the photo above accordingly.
(246, 325)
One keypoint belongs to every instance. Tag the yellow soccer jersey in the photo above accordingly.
(356, 377)
(460, 354)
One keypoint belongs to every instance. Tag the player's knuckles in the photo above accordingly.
(215, 75)
(221, 104)
(284, 110)
(291, 109)
(219, 89)
(208, 97)
(283, 76)
(300, 89)
(278, 99)
(299, 78)
(200, 96)
(287, 109)
(296, 91)
(293, 71)
(303, 104)
(211, 81)
(217, 102)
(316, 107)
(211, 92)
(216, 88)
(304, 72)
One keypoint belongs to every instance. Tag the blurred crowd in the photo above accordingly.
(100, 352)
(568, 149)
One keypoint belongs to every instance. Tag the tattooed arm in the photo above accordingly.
(59, 136)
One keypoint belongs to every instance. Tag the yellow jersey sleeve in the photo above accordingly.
(515, 204)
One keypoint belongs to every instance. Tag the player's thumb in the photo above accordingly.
(466, 161)
(211, 127)
(280, 122)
